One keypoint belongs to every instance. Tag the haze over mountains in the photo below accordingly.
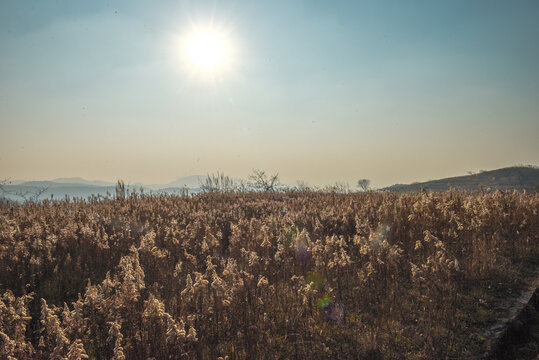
(191, 181)
(78, 180)
(78, 187)
(517, 177)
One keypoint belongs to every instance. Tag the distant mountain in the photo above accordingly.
(44, 183)
(78, 180)
(12, 182)
(517, 177)
(76, 187)
(29, 189)
(192, 181)
(54, 185)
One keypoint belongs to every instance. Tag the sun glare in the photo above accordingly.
(207, 52)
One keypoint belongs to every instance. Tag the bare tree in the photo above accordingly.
(120, 189)
(262, 182)
(302, 186)
(184, 191)
(337, 188)
(217, 183)
(241, 185)
(32, 194)
(364, 184)
(27, 193)
(3, 190)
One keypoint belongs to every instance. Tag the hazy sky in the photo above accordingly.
(322, 91)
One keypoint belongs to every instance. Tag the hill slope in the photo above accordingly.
(517, 177)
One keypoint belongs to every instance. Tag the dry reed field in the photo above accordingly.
(294, 275)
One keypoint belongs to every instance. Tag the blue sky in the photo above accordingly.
(394, 91)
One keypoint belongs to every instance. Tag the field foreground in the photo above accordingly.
(262, 275)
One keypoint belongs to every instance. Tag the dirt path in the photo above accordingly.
(516, 334)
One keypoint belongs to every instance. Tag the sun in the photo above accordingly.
(207, 52)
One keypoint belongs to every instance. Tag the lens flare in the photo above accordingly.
(315, 279)
(335, 313)
(303, 254)
(324, 301)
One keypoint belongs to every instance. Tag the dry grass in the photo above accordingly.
(266, 275)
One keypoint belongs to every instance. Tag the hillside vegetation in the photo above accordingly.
(261, 275)
(517, 177)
